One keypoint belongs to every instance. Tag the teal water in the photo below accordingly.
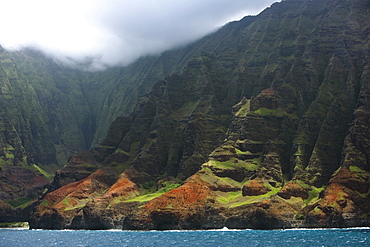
(301, 237)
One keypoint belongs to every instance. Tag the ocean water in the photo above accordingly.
(224, 237)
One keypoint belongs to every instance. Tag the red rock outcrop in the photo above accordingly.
(183, 207)
(255, 187)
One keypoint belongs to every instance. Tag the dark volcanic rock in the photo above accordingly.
(266, 126)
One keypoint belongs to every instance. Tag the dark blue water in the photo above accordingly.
(319, 237)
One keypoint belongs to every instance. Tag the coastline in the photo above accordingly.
(14, 225)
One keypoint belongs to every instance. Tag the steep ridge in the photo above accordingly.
(51, 112)
(35, 136)
(57, 111)
(265, 127)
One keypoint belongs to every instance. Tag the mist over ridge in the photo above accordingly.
(98, 34)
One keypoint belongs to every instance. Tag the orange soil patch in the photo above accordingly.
(190, 195)
(343, 175)
(293, 189)
(254, 188)
(124, 187)
(78, 190)
(333, 193)
(59, 194)
(268, 92)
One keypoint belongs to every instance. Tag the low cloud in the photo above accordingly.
(114, 32)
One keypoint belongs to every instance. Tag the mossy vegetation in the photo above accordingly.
(313, 195)
(259, 198)
(300, 217)
(336, 171)
(20, 202)
(145, 198)
(236, 199)
(168, 185)
(45, 203)
(234, 163)
(72, 203)
(207, 175)
(302, 184)
(238, 151)
(356, 169)
(66, 201)
(278, 112)
(8, 154)
(46, 174)
(244, 110)
(14, 225)
(148, 192)
(228, 197)
(80, 204)
(89, 166)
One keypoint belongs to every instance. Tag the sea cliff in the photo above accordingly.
(263, 124)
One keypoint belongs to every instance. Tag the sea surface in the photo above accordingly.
(223, 237)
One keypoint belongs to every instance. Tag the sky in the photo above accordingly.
(114, 32)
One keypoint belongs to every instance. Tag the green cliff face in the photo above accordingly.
(262, 124)
(50, 112)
